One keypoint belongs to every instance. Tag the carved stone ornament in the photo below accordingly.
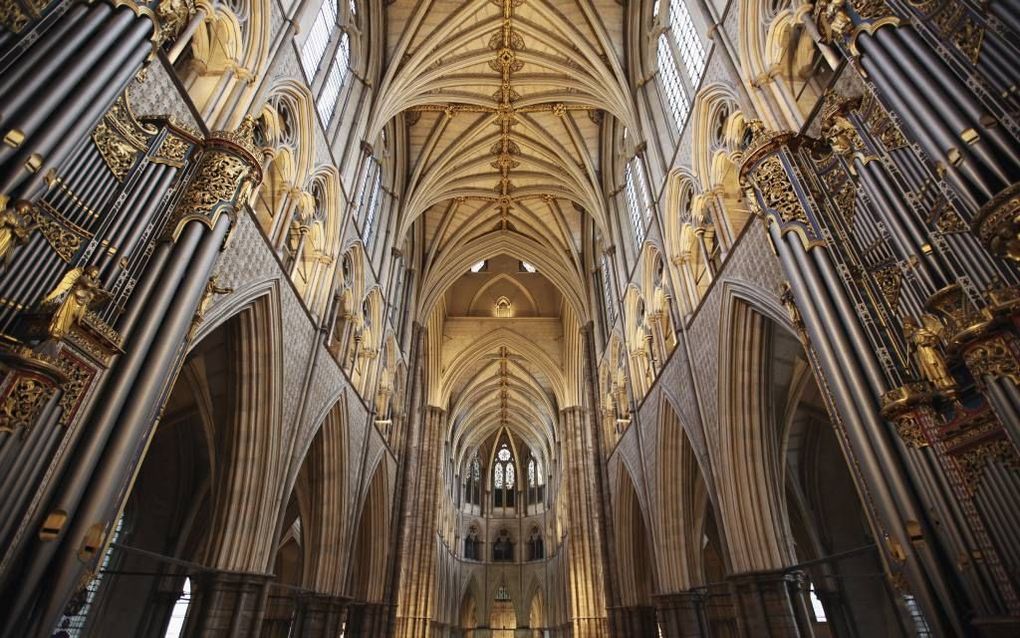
(997, 224)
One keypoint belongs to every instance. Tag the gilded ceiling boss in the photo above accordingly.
(509, 318)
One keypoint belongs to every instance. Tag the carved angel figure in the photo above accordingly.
(924, 341)
(15, 227)
(77, 291)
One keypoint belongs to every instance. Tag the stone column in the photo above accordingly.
(767, 607)
(417, 578)
(321, 616)
(586, 570)
(227, 604)
(682, 614)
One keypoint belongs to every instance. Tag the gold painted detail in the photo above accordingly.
(976, 458)
(997, 224)
(29, 379)
(774, 185)
(67, 304)
(997, 357)
(214, 188)
(890, 282)
(907, 406)
(212, 288)
(22, 402)
(172, 150)
(120, 138)
(63, 236)
(173, 17)
(925, 339)
(118, 154)
(962, 320)
(16, 14)
(763, 142)
(16, 224)
(953, 22)
(79, 378)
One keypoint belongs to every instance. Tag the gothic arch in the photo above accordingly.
(368, 573)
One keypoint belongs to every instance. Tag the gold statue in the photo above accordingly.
(15, 227)
(77, 291)
(924, 341)
(841, 135)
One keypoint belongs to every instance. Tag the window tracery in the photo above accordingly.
(504, 475)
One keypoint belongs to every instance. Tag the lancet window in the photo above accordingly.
(371, 194)
(504, 477)
(473, 483)
(638, 199)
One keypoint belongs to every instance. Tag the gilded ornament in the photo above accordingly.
(79, 377)
(997, 357)
(961, 319)
(925, 341)
(837, 129)
(906, 406)
(172, 150)
(890, 282)
(212, 288)
(213, 188)
(118, 154)
(976, 458)
(16, 224)
(22, 403)
(79, 289)
(997, 224)
(173, 16)
(15, 15)
(774, 185)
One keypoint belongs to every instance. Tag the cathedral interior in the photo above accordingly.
(509, 318)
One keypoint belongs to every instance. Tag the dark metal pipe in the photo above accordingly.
(88, 453)
(135, 425)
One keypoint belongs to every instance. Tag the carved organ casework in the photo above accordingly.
(106, 255)
(884, 266)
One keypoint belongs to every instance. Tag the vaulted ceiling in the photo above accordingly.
(505, 103)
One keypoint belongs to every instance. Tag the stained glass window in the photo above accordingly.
(504, 477)
(531, 473)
